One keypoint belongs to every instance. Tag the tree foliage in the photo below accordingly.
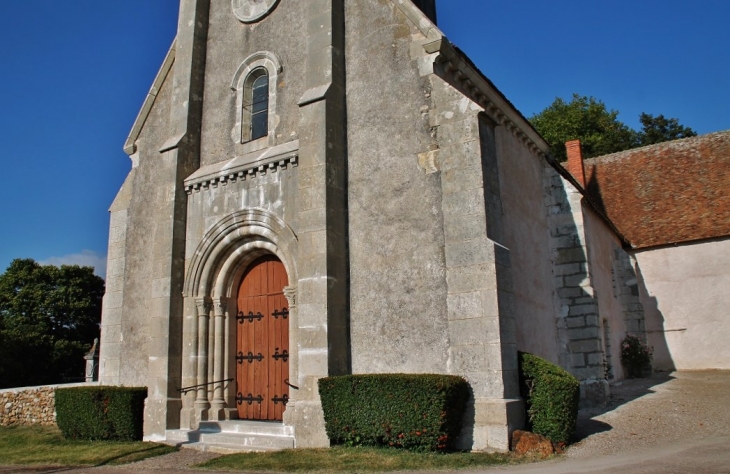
(659, 129)
(49, 317)
(600, 131)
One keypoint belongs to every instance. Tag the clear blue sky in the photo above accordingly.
(74, 73)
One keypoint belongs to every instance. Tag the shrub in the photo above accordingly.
(418, 412)
(551, 395)
(100, 413)
(635, 356)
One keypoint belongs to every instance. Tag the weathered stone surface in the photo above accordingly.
(28, 406)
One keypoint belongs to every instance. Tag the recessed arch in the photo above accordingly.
(230, 245)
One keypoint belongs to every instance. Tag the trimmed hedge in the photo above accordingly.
(418, 412)
(101, 413)
(551, 395)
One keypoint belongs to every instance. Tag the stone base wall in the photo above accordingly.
(33, 406)
(29, 405)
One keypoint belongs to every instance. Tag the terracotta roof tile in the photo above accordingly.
(667, 193)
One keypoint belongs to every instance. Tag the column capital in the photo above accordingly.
(290, 293)
(204, 305)
(220, 305)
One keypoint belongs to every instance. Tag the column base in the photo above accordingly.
(307, 419)
(489, 423)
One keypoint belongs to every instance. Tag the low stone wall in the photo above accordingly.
(29, 405)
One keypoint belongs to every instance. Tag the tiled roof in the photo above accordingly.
(667, 193)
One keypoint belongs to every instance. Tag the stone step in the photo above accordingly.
(247, 427)
(234, 436)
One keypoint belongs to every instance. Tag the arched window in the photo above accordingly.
(255, 119)
(255, 86)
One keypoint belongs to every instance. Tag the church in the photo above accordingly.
(329, 187)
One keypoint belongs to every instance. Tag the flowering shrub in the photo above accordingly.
(635, 356)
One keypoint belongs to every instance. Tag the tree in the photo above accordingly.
(49, 317)
(599, 129)
(659, 129)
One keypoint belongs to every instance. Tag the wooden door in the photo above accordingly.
(262, 353)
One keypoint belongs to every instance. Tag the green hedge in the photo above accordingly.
(101, 413)
(419, 412)
(551, 396)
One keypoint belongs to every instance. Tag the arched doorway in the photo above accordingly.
(262, 341)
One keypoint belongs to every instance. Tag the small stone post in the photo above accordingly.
(92, 363)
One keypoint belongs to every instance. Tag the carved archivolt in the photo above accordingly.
(225, 251)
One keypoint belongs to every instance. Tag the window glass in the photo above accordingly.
(256, 108)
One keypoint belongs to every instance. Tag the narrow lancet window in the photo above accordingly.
(255, 118)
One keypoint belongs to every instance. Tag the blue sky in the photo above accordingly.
(74, 73)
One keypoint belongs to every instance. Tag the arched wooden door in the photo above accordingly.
(262, 353)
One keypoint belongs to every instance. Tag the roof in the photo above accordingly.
(668, 193)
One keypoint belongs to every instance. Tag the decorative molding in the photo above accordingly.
(424, 24)
(220, 305)
(246, 172)
(452, 66)
(205, 305)
(245, 167)
(249, 11)
(272, 64)
(290, 293)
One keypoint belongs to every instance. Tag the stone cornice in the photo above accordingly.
(244, 167)
(130, 146)
(424, 24)
(454, 67)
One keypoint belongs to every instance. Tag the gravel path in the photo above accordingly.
(657, 411)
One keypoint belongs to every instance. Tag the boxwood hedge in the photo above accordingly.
(418, 412)
(551, 395)
(101, 413)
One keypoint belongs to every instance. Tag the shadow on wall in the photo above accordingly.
(641, 311)
(580, 338)
(655, 327)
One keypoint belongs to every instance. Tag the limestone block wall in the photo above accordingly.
(580, 343)
(230, 42)
(526, 235)
(396, 240)
(614, 283)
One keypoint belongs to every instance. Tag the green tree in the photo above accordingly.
(599, 129)
(49, 317)
(659, 129)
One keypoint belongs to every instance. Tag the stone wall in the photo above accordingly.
(28, 406)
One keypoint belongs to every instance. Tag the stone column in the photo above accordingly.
(290, 293)
(218, 404)
(201, 399)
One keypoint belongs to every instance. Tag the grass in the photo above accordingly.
(353, 460)
(44, 445)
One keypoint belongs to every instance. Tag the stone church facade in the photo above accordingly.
(331, 187)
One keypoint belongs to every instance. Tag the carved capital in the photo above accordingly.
(204, 306)
(290, 293)
(220, 306)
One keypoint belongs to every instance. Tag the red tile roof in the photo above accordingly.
(667, 193)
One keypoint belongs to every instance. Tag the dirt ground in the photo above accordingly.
(668, 423)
